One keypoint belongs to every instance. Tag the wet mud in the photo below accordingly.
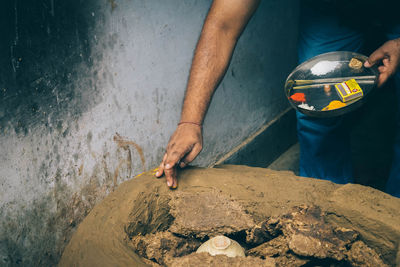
(279, 219)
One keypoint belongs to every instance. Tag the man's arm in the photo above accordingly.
(225, 22)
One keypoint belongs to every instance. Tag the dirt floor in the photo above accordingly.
(280, 219)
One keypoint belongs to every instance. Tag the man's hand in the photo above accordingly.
(183, 147)
(389, 55)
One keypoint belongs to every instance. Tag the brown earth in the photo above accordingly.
(278, 217)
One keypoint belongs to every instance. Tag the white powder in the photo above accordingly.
(306, 106)
(323, 67)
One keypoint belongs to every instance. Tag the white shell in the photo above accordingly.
(222, 245)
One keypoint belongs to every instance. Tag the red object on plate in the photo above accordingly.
(298, 97)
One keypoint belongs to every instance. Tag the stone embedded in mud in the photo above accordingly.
(162, 245)
(306, 237)
(277, 249)
(207, 214)
(309, 235)
(274, 248)
(361, 255)
(263, 232)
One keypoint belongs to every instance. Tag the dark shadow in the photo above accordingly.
(45, 53)
(373, 127)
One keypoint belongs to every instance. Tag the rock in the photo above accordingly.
(203, 214)
(305, 237)
(158, 246)
(277, 249)
(263, 232)
(361, 255)
(309, 235)
(274, 248)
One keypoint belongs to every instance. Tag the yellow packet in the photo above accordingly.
(349, 90)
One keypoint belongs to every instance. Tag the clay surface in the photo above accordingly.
(210, 213)
(304, 237)
(280, 219)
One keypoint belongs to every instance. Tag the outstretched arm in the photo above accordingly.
(225, 22)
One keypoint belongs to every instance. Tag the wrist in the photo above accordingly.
(190, 123)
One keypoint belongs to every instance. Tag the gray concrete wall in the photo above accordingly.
(91, 91)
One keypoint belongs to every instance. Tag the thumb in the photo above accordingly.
(376, 56)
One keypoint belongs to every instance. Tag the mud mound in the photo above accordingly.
(301, 237)
(280, 219)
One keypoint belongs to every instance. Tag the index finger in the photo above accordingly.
(171, 164)
(171, 177)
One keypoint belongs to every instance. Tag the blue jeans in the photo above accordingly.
(324, 143)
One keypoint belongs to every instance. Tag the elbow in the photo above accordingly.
(224, 28)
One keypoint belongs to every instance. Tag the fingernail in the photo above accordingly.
(168, 166)
(182, 164)
(169, 183)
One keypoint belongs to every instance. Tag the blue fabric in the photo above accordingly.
(393, 184)
(324, 143)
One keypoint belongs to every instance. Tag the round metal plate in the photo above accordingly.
(333, 65)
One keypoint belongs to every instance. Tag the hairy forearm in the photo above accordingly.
(225, 21)
(211, 59)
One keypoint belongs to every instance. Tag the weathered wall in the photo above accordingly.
(91, 91)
